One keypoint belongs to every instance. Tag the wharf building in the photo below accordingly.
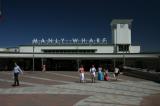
(68, 55)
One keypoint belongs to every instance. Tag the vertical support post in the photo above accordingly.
(77, 58)
(114, 62)
(124, 63)
(1, 10)
(56, 67)
(33, 59)
(77, 64)
(42, 62)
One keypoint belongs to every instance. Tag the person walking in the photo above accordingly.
(16, 71)
(116, 72)
(93, 73)
(81, 71)
(100, 74)
(43, 68)
(106, 75)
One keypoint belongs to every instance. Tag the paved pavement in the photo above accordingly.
(59, 88)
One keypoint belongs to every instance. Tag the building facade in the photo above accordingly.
(61, 54)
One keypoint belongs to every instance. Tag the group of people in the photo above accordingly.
(102, 74)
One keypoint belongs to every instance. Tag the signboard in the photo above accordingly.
(59, 41)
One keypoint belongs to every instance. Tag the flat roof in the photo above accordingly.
(69, 45)
(121, 21)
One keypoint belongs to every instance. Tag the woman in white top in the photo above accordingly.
(93, 73)
(16, 72)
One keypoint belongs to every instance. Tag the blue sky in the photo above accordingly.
(23, 20)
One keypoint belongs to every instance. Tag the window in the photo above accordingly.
(122, 25)
(123, 47)
(81, 51)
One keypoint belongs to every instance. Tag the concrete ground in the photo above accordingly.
(62, 88)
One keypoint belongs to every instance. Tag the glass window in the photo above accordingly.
(69, 51)
(123, 47)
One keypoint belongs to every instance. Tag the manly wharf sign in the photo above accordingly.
(59, 41)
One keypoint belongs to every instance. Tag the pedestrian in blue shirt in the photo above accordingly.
(16, 71)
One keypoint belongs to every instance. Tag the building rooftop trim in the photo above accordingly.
(121, 21)
(76, 45)
(70, 45)
(157, 53)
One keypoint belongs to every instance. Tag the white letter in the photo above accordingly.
(42, 41)
(35, 41)
(56, 41)
(62, 39)
(49, 41)
(98, 40)
(83, 40)
(91, 40)
(75, 40)
(104, 40)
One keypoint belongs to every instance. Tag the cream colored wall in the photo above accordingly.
(38, 49)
